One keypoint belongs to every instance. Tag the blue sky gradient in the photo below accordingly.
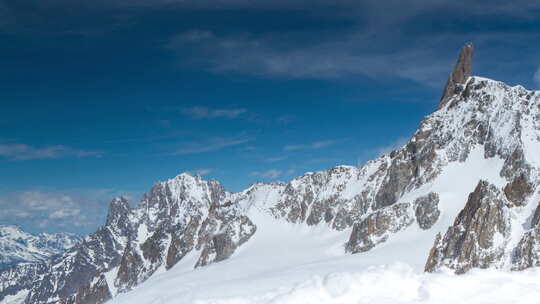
(107, 98)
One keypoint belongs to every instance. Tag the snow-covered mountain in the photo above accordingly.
(461, 195)
(18, 246)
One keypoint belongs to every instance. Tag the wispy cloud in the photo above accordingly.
(154, 138)
(271, 174)
(313, 145)
(536, 77)
(73, 210)
(286, 119)
(258, 55)
(211, 144)
(275, 159)
(27, 152)
(210, 113)
(377, 44)
(203, 171)
(43, 207)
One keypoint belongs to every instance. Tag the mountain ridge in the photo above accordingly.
(472, 163)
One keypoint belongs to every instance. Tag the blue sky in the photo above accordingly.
(105, 98)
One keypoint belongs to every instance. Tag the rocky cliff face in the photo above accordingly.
(478, 236)
(461, 72)
(481, 125)
(527, 252)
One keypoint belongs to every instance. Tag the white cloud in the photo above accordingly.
(253, 54)
(271, 174)
(313, 145)
(294, 147)
(537, 77)
(56, 205)
(276, 159)
(74, 210)
(203, 171)
(209, 113)
(26, 152)
(290, 171)
(323, 143)
(212, 144)
(64, 213)
(286, 119)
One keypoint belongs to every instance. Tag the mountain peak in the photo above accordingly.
(118, 208)
(462, 70)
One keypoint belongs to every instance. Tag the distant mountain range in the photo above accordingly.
(18, 246)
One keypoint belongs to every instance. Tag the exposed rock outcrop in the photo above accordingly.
(518, 190)
(427, 210)
(527, 252)
(131, 266)
(20, 277)
(478, 236)
(188, 215)
(96, 292)
(225, 237)
(376, 227)
(183, 241)
(462, 70)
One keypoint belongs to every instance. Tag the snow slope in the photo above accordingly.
(295, 263)
(469, 173)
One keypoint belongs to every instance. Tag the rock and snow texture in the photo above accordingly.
(17, 246)
(461, 194)
(461, 72)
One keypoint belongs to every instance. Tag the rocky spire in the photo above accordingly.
(462, 70)
(118, 215)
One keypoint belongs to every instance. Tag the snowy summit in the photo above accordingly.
(443, 219)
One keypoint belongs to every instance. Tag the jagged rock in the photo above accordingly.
(131, 266)
(399, 176)
(154, 246)
(230, 236)
(199, 216)
(171, 203)
(427, 210)
(96, 292)
(478, 235)
(316, 198)
(462, 70)
(527, 252)
(515, 165)
(182, 242)
(518, 190)
(536, 216)
(138, 264)
(118, 216)
(19, 277)
(95, 254)
(374, 229)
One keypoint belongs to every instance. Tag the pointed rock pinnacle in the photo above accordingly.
(462, 70)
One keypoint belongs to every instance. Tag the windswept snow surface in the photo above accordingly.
(294, 263)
